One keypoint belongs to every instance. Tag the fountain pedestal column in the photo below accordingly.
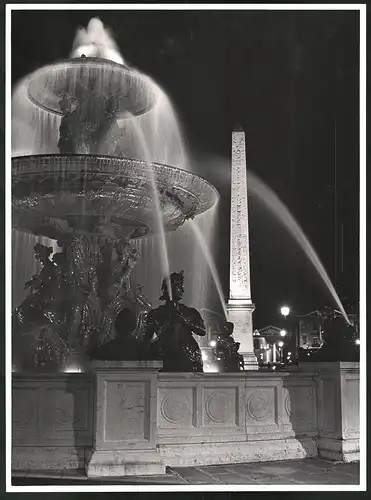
(125, 419)
(240, 306)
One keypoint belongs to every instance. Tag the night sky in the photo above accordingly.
(286, 78)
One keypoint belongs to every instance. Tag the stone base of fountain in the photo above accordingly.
(338, 409)
(126, 418)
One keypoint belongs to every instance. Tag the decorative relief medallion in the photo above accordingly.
(175, 408)
(68, 410)
(258, 405)
(65, 415)
(219, 407)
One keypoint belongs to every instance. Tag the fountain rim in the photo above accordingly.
(78, 61)
(123, 160)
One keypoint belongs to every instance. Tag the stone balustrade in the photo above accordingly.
(125, 418)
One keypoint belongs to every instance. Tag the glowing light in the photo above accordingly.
(280, 344)
(283, 333)
(358, 341)
(285, 310)
(289, 353)
(212, 343)
(72, 369)
(211, 368)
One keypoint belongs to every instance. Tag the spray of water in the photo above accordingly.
(210, 262)
(275, 206)
(34, 131)
(163, 253)
(96, 41)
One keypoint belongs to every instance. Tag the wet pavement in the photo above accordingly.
(313, 471)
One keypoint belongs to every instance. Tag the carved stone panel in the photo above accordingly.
(351, 407)
(261, 406)
(126, 406)
(52, 411)
(24, 408)
(67, 409)
(177, 407)
(327, 402)
(300, 410)
(220, 407)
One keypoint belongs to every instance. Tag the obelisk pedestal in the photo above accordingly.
(240, 306)
(240, 314)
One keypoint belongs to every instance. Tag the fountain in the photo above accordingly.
(93, 203)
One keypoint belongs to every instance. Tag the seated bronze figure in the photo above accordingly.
(227, 350)
(124, 346)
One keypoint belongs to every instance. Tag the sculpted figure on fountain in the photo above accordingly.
(36, 322)
(67, 129)
(85, 126)
(227, 350)
(339, 338)
(124, 346)
(170, 329)
(79, 293)
(33, 311)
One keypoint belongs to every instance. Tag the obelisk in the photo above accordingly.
(240, 306)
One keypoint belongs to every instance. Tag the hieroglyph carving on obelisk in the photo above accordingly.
(240, 306)
(239, 240)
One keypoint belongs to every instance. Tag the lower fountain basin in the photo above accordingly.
(57, 195)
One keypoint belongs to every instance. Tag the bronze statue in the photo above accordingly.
(227, 349)
(69, 109)
(33, 311)
(38, 321)
(124, 346)
(170, 328)
(339, 339)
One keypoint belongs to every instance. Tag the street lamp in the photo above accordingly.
(280, 346)
(212, 343)
(283, 333)
(285, 311)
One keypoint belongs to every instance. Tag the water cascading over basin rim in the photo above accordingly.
(97, 80)
(55, 195)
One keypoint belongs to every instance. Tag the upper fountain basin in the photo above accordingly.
(56, 195)
(92, 81)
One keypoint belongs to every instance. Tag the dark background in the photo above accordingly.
(286, 77)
